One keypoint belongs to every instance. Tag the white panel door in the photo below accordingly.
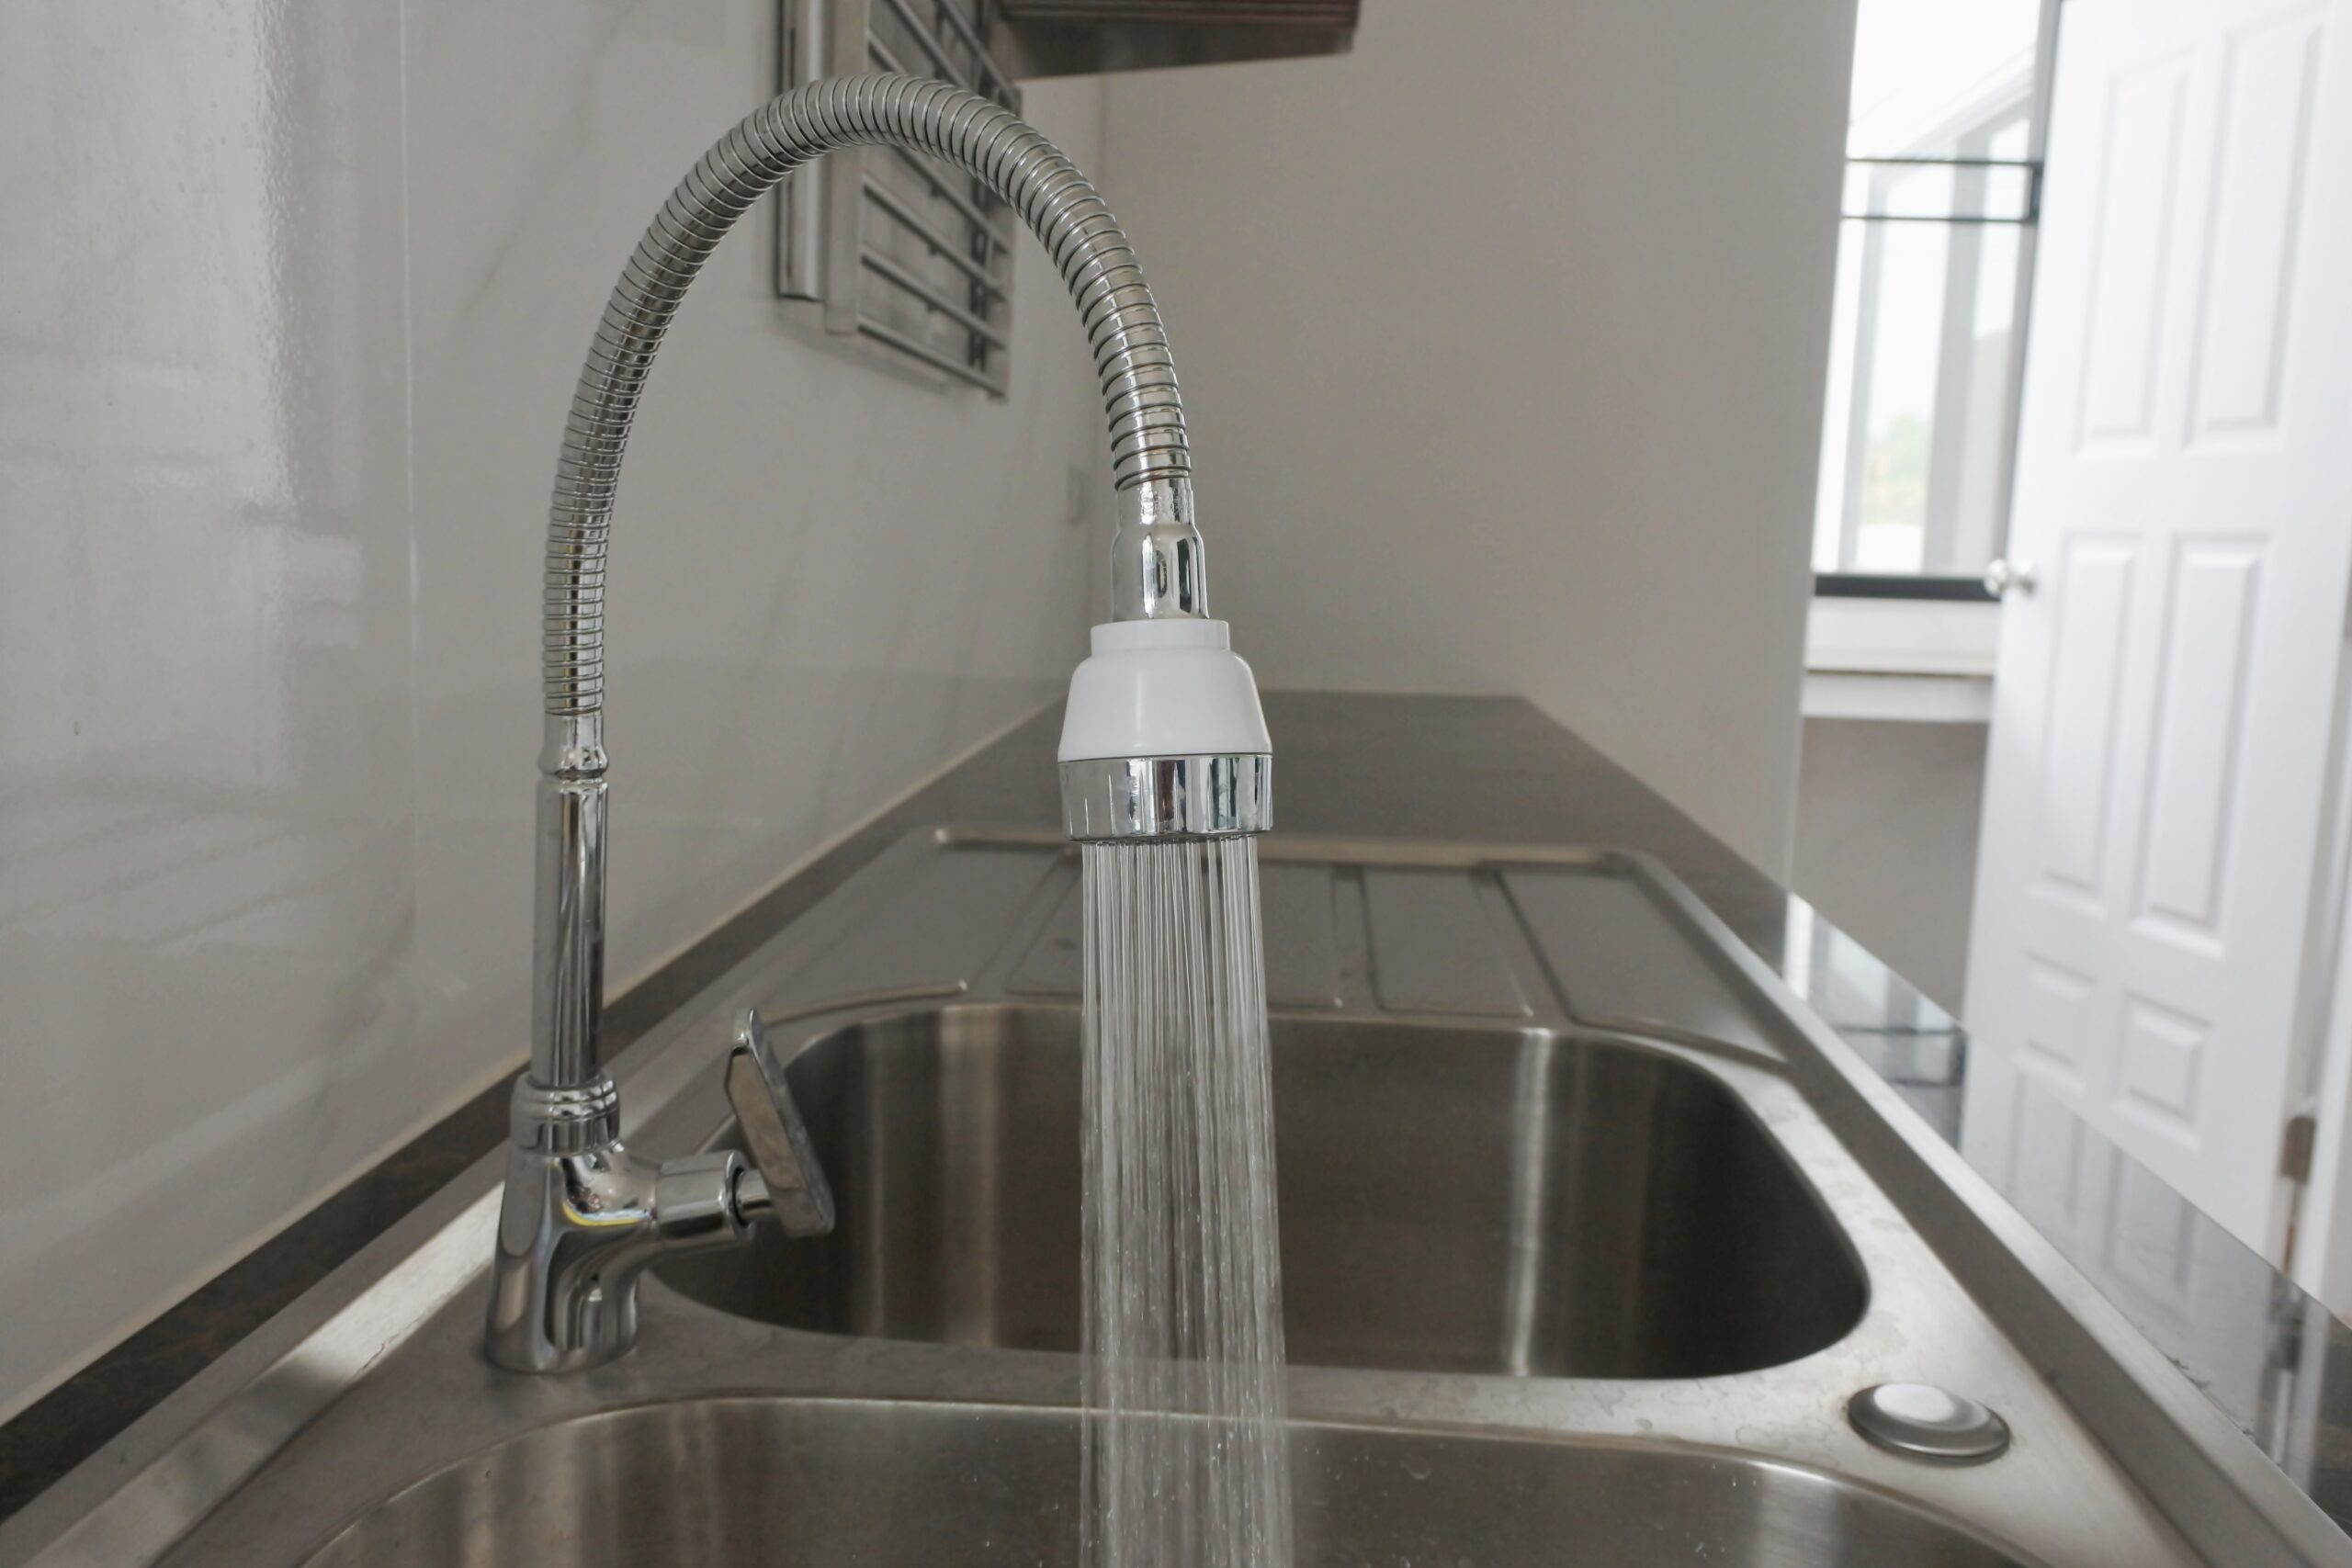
(2164, 709)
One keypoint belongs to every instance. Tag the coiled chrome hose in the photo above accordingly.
(1157, 568)
(1156, 562)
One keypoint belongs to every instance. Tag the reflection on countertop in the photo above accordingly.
(2275, 1361)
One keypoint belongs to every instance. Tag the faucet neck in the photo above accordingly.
(567, 1086)
(1158, 568)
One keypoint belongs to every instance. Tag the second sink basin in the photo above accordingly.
(782, 1484)
(1499, 1201)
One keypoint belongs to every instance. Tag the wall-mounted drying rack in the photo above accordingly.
(904, 253)
(898, 249)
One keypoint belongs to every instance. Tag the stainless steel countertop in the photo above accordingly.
(1495, 770)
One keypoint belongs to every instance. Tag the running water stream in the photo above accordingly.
(1186, 1463)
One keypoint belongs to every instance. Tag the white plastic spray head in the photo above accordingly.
(1163, 737)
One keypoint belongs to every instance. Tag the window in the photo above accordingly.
(1934, 254)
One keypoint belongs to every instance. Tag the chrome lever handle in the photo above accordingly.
(790, 1183)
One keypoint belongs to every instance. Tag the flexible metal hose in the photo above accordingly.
(1148, 454)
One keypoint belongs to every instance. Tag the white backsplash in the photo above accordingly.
(297, 289)
(1527, 302)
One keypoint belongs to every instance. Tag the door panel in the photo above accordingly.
(2184, 851)
(2094, 612)
(2137, 194)
(2270, 99)
(2164, 714)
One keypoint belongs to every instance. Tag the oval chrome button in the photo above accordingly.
(1922, 1421)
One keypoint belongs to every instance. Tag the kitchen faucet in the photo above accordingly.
(1163, 736)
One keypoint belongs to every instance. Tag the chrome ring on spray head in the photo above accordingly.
(1168, 797)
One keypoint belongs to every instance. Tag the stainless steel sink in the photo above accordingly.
(1590, 1233)
(1474, 1200)
(780, 1483)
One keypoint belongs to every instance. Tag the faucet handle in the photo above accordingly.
(790, 1184)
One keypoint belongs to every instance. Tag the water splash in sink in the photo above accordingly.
(1184, 1450)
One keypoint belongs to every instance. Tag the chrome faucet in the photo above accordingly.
(1163, 739)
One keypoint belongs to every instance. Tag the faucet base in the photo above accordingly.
(582, 1217)
(577, 1230)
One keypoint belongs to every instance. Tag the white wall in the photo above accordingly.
(295, 296)
(1505, 336)
(1886, 841)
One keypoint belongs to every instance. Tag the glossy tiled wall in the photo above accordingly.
(295, 291)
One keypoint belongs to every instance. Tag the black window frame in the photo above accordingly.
(1894, 585)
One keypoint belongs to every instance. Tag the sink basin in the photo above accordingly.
(1498, 1190)
(782, 1483)
(1500, 1201)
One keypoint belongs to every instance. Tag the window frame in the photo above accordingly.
(1970, 154)
(1899, 585)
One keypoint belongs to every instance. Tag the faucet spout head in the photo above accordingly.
(1163, 737)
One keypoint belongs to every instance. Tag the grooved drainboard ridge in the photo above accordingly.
(1485, 939)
